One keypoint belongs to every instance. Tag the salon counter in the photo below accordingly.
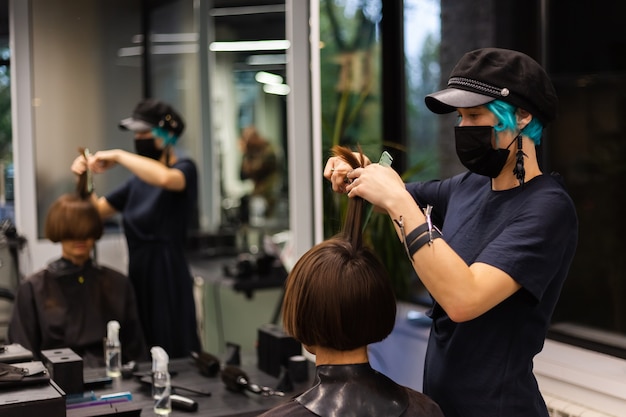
(188, 382)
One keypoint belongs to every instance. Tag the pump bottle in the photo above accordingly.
(161, 387)
(113, 349)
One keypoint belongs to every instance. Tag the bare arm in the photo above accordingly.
(148, 170)
(464, 292)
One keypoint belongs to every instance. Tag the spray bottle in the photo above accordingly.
(113, 349)
(161, 387)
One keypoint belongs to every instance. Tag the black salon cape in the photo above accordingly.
(356, 391)
(417, 408)
(155, 225)
(66, 306)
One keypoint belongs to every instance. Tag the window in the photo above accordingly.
(351, 85)
(6, 132)
(586, 143)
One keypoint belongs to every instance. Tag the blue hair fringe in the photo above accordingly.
(505, 113)
(169, 139)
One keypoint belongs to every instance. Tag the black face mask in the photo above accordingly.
(473, 147)
(148, 148)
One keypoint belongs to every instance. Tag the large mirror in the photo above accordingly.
(221, 63)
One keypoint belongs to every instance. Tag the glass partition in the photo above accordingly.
(248, 90)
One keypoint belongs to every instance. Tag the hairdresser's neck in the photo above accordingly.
(171, 158)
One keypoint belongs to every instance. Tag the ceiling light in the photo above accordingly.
(280, 89)
(267, 59)
(264, 77)
(272, 45)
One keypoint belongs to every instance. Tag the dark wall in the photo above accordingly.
(582, 45)
(587, 38)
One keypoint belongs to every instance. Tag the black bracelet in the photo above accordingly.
(415, 233)
(422, 240)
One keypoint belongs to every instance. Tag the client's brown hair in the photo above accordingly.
(72, 217)
(339, 294)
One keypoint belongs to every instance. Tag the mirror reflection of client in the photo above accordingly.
(69, 302)
(339, 299)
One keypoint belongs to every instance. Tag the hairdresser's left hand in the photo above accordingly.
(378, 184)
(101, 161)
(337, 169)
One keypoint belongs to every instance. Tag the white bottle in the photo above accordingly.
(113, 349)
(161, 387)
(258, 207)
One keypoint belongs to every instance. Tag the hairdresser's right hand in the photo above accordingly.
(98, 162)
(101, 161)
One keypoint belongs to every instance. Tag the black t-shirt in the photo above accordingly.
(155, 226)
(483, 367)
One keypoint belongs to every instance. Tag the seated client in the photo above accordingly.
(69, 303)
(338, 299)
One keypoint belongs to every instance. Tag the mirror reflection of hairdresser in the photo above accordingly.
(154, 203)
(509, 235)
(338, 300)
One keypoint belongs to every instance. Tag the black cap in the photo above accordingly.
(484, 75)
(150, 113)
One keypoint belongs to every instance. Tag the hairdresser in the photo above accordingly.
(492, 245)
(155, 203)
